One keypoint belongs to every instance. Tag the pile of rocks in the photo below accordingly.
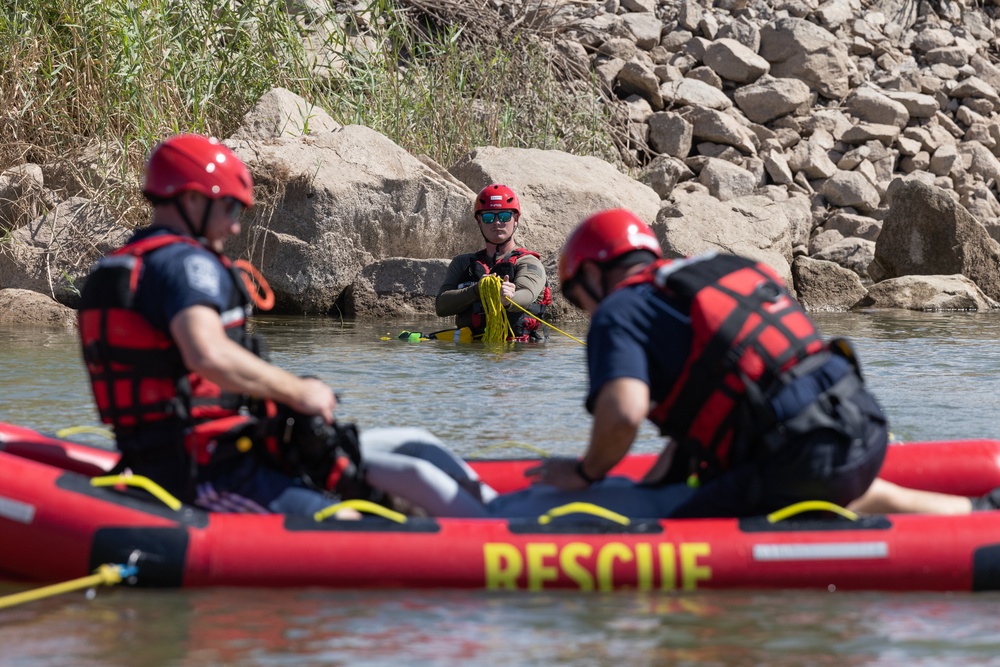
(831, 101)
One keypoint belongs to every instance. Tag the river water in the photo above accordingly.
(937, 375)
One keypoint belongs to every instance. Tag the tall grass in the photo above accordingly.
(90, 85)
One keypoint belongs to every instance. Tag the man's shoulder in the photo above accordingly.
(175, 251)
(186, 267)
(528, 256)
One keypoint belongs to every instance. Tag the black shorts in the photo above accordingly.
(835, 459)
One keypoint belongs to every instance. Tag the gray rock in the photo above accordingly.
(52, 255)
(727, 181)
(851, 253)
(771, 98)
(691, 92)
(928, 233)
(25, 308)
(945, 292)
(281, 113)
(396, 287)
(670, 133)
(755, 227)
(850, 188)
(826, 286)
(735, 62)
(801, 50)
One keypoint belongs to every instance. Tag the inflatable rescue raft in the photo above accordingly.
(61, 517)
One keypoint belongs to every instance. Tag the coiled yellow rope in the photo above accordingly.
(497, 325)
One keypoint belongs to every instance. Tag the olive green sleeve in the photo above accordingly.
(452, 299)
(529, 278)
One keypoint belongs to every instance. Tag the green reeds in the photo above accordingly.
(88, 86)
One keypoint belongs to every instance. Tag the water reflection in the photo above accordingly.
(306, 627)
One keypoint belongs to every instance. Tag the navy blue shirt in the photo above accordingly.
(178, 276)
(637, 332)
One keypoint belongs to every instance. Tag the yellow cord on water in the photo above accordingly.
(75, 430)
(550, 326)
(105, 575)
(497, 325)
(513, 444)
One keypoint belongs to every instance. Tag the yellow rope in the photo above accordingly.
(74, 430)
(105, 575)
(513, 444)
(550, 326)
(497, 325)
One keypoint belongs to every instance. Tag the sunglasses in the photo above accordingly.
(489, 217)
(233, 207)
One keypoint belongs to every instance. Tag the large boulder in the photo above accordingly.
(825, 286)
(754, 227)
(928, 233)
(281, 113)
(21, 307)
(20, 196)
(770, 98)
(395, 287)
(334, 202)
(53, 253)
(928, 293)
(557, 190)
(851, 253)
(802, 50)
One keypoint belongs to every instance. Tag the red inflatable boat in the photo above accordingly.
(58, 522)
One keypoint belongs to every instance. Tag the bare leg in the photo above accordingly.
(884, 497)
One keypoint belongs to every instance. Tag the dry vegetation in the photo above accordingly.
(89, 86)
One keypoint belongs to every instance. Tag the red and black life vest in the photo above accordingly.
(136, 371)
(481, 264)
(747, 331)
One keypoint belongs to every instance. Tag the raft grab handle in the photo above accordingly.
(583, 508)
(140, 482)
(810, 506)
(363, 506)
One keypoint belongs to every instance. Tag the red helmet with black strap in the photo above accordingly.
(497, 197)
(602, 238)
(194, 162)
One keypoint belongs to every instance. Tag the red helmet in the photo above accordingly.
(603, 237)
(497, 196)
(194, 162)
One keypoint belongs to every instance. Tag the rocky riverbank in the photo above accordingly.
(851, 145)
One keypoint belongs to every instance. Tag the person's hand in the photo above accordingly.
(316, 398)
(507, 289)
(559, 471)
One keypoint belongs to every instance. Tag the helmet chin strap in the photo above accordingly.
(198, 234)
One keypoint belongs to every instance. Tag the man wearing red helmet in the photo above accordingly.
(497, 212)
(172, 366)
(761, 412)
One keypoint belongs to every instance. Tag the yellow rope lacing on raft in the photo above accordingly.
(497, 324)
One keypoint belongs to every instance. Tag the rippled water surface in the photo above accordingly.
(938, 377)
